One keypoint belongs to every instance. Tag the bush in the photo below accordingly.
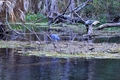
(30, 17)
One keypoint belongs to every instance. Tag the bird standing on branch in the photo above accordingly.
(91, 22)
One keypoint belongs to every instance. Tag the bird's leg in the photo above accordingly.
(54, 45)
(87, 28)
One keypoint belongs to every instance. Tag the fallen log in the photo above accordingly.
(106, 25)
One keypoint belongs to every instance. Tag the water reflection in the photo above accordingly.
(109, 39)
(16, 67)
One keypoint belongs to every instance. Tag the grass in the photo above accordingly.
(116, 29)
(79, 55)
(30, 17)
(19, 26)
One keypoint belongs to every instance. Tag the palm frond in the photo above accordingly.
(14, 8)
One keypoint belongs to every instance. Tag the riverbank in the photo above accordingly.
(66, 49)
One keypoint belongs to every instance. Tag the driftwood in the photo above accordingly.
(106, 25)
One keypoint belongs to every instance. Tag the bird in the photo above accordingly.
(55, 37)
(91, 22)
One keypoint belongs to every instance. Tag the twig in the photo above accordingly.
(32, 31)
(74, 37)
(36, 35)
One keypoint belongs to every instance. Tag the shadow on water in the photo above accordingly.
(4, 52)
(18, 67)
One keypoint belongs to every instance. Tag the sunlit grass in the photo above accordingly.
(14, 44)
(78, 55)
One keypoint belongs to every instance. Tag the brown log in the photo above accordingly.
(106, 25)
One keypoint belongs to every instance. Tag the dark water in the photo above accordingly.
(16, 67)
(112, 39)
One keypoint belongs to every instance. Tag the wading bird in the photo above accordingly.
(54, 37)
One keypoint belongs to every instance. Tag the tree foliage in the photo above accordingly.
(102, 10)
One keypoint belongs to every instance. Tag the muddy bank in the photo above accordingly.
(66, 49)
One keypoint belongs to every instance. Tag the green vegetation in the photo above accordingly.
(31, 17)
(20, 26)
(115, 29)
(102, 10)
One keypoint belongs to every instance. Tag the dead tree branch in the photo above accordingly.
(79, 7)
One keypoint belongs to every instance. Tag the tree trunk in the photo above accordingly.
(54, 7)
(71, 7)
(47, 7)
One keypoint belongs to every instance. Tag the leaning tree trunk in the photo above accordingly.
(51, 7)
(34, 5)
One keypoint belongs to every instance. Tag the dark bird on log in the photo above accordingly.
(91, 22)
